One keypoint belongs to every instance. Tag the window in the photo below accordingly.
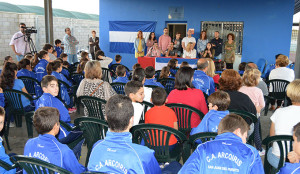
(225, 28)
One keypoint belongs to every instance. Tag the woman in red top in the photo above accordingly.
(185, 93)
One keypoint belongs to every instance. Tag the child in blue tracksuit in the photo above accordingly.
(2, 102)
(293, 166)
(150, 77)
(218, 104)
(3, 156)
(46, 147)
(121, 73)
(116, 153)
(40, 63)
(227, 153)
(54, 68)
(64, 71)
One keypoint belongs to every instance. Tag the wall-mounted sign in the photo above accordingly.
(176, 13)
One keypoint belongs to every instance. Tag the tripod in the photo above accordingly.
(29, 42)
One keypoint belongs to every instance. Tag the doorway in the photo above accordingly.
(177, 27)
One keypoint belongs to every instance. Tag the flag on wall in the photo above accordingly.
(122, 34)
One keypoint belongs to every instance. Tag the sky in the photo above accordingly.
(86, 6)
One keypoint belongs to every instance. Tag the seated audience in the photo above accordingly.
(64, 71)
(154, 51)
(135, 66)
(40, 63)
(140, 76)
(218, 103)
(84, 56)
(9, 80)
(242, 67)
(261, 84)
(209, 52)
(29, 56)
(281, 72)
(80, 67)
(227, 153)
(184, 64)
(189, 52)
(3, 156)
(201, 80)
(250, 81)
(173, 64)
(150, 77)
(46, 147)
(135, 91)
(58, 48)
(105, 61)
(93, 85)
(8, 59)
(211, 69)
(121, 73)
(48, 99)
(231, 82)
(171, 51)
(293, 166)
(165, 73)
(49, 48)
(161, 114)
(283, 120)
(130, 157)
(185, 93)
(54, 68)
(24, 67)
(272, 66)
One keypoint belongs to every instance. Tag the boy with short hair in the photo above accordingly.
(135, 91)
(294, 156)
(58, 48)
(3, 156)
(46, 147)
(227, 153)
(116, 153)
(118, 59)
(160, 113)
(218, 104)
(49, 85)
(150, 77)
(121, 73)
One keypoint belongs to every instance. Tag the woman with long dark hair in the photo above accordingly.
(150, 41)
(209, 52)
(185, 93)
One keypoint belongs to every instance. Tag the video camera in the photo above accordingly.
(29, 30)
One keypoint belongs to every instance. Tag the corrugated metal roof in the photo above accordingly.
(40, 11)
(297, 6)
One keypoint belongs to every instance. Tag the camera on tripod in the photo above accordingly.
(29, 30)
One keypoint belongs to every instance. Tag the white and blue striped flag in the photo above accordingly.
(122, 34)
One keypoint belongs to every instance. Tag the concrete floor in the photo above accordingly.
(18, 136)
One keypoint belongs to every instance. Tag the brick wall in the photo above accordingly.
(9, 23)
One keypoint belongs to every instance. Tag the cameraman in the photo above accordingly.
(18, 43)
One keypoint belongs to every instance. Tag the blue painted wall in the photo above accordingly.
(267, 23)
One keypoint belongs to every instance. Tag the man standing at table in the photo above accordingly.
(188, 39)
(70, 46)
(164, 40)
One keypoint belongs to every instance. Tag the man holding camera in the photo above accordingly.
(18, 43)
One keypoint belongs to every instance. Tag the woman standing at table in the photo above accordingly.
(230, 51)
(154, 51)
(150, 41)
(189, 51)
(139, 45)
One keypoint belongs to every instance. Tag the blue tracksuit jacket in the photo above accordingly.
(40, 69)
(65, 73)
(203, 82)
(153, 82)
(226, 154)
(121, 80)
(290, 168)
(4, 157)
(48, 100)
(117, 154)
(2, 103)
(47, 148)
(64, 90)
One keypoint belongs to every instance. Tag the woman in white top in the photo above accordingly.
(189, 51)
(281, 72)
(284, 119)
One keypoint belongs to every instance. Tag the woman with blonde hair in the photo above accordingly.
(211, 70)
(139, 45)
(93, 85)
(189, 51)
